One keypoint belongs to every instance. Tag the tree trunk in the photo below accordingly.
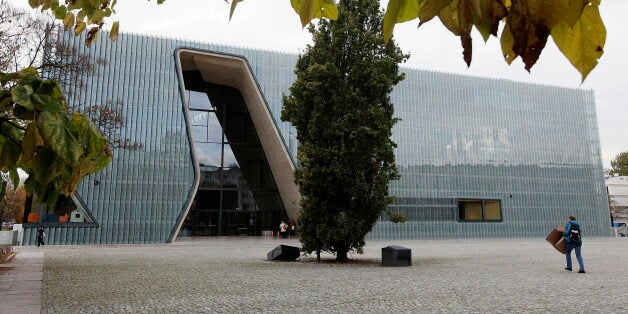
(341, 255)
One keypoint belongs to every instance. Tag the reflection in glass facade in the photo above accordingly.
(237, 193)
(534, 150)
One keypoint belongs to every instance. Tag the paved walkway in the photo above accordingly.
(231, 275)
(21, 284)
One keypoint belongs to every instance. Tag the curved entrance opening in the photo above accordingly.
(244, 174)
(237, 194)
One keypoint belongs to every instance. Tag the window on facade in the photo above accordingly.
(480, 210)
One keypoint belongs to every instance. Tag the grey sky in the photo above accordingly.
(272, 25)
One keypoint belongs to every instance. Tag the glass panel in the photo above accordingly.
(208, 154)
(199, 117)
(210, 177)
(199, 133)
(232, 178)
(250, 160)
(240, 129)
(492, 210)
(214, 130)
(229, 158)
(208, 121)
(199, 100)
(207, 200)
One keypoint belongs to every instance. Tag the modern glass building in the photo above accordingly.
(478, 157)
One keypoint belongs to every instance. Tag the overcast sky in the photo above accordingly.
(273, 25)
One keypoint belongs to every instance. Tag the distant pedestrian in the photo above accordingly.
(283, 229)
(573, 241)
(293, 227)
(40, 236)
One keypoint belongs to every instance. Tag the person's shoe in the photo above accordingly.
(581, 271)
(568, 268)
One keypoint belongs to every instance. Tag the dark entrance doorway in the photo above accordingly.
(237, 194)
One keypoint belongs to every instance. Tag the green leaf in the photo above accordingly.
(9, 154)
(583, 44)
(34, 3)
(56, 133)
(98, 16)
(6, 101)
(48, 194)
(15, 178)
(3, 188)
(54, 4)
(399, 11)
(60, 12)
(482, 21)
(22, 96)
(30, 71)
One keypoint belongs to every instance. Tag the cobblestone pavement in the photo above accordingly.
(231, 275)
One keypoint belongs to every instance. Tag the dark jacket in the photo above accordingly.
(568, 227)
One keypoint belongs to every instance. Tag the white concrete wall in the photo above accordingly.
(618, 189)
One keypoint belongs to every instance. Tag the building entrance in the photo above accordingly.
(237, 194)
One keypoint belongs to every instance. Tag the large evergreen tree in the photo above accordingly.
(343, 114)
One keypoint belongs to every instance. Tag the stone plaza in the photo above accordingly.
(232, 275)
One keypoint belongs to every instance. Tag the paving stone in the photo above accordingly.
(232, 275)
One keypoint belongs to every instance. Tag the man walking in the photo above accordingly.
(40, 236)
(573, 241)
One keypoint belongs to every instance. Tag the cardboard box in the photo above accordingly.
(555, 238)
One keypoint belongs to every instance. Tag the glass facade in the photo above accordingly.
(530, 154)
(533, 148)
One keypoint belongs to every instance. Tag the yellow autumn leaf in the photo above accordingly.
(314, 9)
(432, 8)
(79, 27)
(68, 20)
(113, 34)
(399, 11)
(449, 17)
(234, 3)
(491, 14)
(507, 41)
(583, 44)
